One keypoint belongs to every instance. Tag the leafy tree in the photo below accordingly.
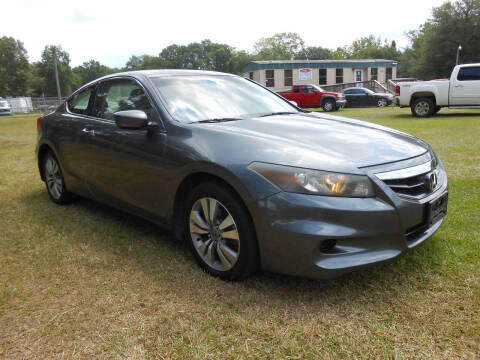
(237, 61)
(45, 69)
(91, 70)
(314, 53)
(282, 46)
(14, 67)
(205, 55)
(434, 46)
(145, 62)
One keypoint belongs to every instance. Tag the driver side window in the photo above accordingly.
(118, 95)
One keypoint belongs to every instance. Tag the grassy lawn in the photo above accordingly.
(84, 280)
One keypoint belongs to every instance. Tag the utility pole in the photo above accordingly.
(59, 94)
(458, 51)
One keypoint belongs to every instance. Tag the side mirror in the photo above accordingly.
(294, 103)
(131, 119)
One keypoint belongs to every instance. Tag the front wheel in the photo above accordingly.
(422, 107)
(329, 105)
(220, 232)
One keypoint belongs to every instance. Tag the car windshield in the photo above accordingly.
(318, 88)
(215, 97)
(3, 104)
(368, 91)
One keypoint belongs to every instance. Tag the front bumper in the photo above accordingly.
(325, 237)
(341, 103)
(5, 112)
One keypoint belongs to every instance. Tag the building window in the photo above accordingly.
(322, 76)
(288, 76)
(374, 74)
(389, 74)
(339, 76)
(250, 75)
(269, 78)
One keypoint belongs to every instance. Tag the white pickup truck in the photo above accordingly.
(426, 98)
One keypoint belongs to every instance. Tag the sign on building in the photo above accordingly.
(305, 74)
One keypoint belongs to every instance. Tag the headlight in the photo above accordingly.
(306, 181)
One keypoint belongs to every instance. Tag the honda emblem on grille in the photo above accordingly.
(432, 181)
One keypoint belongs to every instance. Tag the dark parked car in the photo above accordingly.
(244, 177)
(358, 96)
(5, 108)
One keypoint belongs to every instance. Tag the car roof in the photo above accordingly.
(165, 72)
(350, 88)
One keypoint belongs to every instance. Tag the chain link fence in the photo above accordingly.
(28, 104)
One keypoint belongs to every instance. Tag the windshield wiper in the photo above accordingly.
(279, 113)
(216, 120)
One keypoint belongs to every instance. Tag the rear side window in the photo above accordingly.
(118, 95)
(79, 103)
(296, 89)
(469, 73)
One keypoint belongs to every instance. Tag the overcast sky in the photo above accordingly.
(110, 31)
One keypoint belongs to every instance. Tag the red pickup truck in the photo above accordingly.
(314, 96)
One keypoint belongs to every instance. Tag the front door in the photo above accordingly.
(358, 75)
(129, 166)
(465, 89)
(309, 96)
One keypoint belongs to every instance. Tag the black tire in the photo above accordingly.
(247, 260)
(437, 109)
(329, 105)
(422, 107)
(54, 181)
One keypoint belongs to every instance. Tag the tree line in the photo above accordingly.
(431, 53)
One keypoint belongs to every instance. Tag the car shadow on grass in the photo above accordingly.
(88, 217)
(439, 116)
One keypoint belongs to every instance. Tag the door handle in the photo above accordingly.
(458, 85)
(88, 131)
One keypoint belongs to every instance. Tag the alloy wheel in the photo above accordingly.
(382, 103)
(422, 108)
(328, 106)
(214, 234)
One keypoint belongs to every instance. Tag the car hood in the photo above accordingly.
(313, 140)
(336, 94)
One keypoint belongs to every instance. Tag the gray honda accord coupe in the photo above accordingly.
(244, 177)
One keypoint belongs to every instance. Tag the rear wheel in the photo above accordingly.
(329, 105)
(382, 102)
(422, 107)
(220, 232)
(54, 180)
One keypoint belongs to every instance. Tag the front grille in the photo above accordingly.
(417, 181)
(413, 186)
(4, 110)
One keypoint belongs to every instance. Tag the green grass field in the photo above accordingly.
(84, 280)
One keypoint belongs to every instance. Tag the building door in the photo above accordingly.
(358, 75)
